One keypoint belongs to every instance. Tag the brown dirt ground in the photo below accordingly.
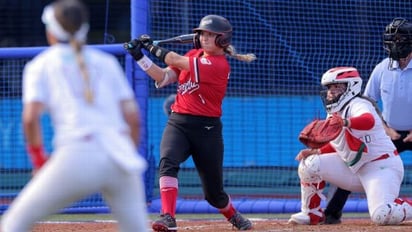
(260, 225)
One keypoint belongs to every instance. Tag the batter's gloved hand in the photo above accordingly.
(134, 48)
(146, 41)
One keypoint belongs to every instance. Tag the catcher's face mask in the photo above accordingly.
(335, 91)
(332, 94)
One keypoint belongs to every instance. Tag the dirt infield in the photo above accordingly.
(260, 225)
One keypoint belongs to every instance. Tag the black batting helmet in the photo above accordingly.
(215, 24)
(397, 38)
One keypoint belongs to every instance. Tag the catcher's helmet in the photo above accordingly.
(345, 75)
(215, 24)
(397, 38)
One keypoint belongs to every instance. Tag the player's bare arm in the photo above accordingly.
(391, 132)
(31, 123)
(160, 74)
(408, 138)
(178, 61)
(33, 135)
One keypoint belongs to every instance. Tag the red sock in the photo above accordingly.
(228, 211)
(168, 196)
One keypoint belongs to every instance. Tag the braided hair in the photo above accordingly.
(72, 15)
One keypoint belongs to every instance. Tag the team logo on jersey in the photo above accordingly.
(205, 60)
(188, 87)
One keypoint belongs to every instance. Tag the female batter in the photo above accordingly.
(96, 128)
(194, 126)
(361, 159)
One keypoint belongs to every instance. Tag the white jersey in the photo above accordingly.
(376, 141)
(54, 79)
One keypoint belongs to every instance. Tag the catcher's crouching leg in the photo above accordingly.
(311, 193)
(394, 213)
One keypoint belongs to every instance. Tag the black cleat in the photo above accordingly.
(165, 223)
(240, 222)
(332, 219)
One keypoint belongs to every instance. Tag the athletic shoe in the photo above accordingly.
(240, 222)
(305, 219)
(165, 223)
(332, 219)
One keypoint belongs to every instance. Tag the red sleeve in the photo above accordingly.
(363, 122)
(327, 149)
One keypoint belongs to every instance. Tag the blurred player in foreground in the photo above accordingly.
(362, 158)
(391, 83)
(194, 126)
(96, 128)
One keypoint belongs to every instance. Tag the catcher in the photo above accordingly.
(358, 157)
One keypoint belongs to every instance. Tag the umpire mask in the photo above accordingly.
(397, 39)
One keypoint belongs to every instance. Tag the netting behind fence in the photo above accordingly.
(270, 100)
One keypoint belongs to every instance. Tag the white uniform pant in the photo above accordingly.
(72, 173)
(380, 180)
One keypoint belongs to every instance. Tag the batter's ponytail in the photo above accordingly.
(231, 51)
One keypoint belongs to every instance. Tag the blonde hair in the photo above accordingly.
(231, 51)
(72, 15)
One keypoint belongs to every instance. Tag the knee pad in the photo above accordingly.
(388, 214)
(309, 169)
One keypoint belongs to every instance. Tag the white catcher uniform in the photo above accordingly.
(376, 170)
(93, 151)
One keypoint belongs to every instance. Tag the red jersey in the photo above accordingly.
(201, 90)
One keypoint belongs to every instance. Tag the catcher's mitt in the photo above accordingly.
(320, 132)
